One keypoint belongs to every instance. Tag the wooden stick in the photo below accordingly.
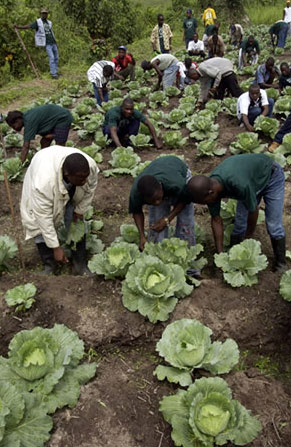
(27, 54)
(3, 144)
(6, 181)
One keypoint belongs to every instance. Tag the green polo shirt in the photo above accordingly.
(276, 28)
(49, 37)
(115, 118)
(210, 30)
(42, 120)
(242, 177)
(171, 172)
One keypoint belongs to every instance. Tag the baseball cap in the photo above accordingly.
(122, 47)
(189, 10)
(44, 10)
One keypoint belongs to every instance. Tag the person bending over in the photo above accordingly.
(166, 66)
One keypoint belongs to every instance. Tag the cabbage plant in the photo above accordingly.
(229, 106)
(214, 105)
(242, 263)
(8, 250)
(21, 296)
(186, 345)
(139, 168)
(101, 140)
(246, 142)
(124, 160)
(94, 123)
(174, 139)
(202, 128)
(285, 285)
(114, 261)
(13, 139)
(176, 117)
(94, 152)
(14, 169)
(268, 126)
(66, 101)
(209, 147)
(152, 288)
(172, 91)
(273, 93)
(158, 98)
(283, 106)
(285, 147)
(140, 140)
(82, 109)
(206, 415)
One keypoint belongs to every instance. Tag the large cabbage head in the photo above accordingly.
(124, 157)
(246, 142)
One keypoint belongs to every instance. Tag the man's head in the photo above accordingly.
(122, 51)
(150, 189)
(251, 40)
(15, 120)
(107, 71)
(160, 19)
(270, 62)
(195, 37)
(209, 5)
(44, 13)
(254, 92)
(127, 107)
(188, 62)
(146, 65)
(203, 189)
(189, 13)
(285, 69)
(288, 4)
(193, 74)
(76, 169)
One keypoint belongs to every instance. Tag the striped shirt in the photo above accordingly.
(95, 73)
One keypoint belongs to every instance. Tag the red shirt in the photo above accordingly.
(120, 64)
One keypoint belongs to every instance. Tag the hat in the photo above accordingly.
(122, 47)
(44, 10)
(189, 10)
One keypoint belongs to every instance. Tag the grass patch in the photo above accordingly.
(264, 14)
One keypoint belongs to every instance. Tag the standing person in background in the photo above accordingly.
(249, 52)
(44, 37)
(161, 37)
(124, 63)
(100, 73)
(280, 30)
(189, 27)
(216, 47)
(287, 16)
(196, 47)
(209, 16)
(236, 35)
(166, 66)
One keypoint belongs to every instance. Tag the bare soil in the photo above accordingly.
(120, 406)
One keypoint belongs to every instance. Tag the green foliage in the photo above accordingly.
(202, 127)
(172, 91)
(129, 233)
(273, 93)
(76, 233)
(13, 139)
(174, 139)
(208, 147)
(14, 169)
(242, 263)
(229, 106)
(246, 142)
(94, 152)
(124, 160)
(206, 415)
(21, 296)
(152, 288)
(140, 140)
(285, 285)
(283, 105)
(268, 126)
(8, 250)
(176, 117)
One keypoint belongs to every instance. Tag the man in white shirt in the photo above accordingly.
(196, 47)
(287, 16)
(100, 73)
(253, 103)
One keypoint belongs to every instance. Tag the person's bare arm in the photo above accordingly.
(157, 142)
(114, 136)
(100, 93)
(156, 67)
(265, 110)
(217, 230)
(252, 222)
(24, 151)
(247, 124)
(139, 222)
(22, 26)
(164, 221)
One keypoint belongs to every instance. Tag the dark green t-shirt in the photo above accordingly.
(190, 26)
(49, 37)
(247, 48)
(210, 30)
(242, 177)
(42, 120)
(171, 172)
(276, 28)
(115, 118)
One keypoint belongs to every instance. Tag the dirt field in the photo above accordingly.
(120, 407)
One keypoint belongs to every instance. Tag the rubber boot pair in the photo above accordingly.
(79, 259)
(279, 249)
(47, 258)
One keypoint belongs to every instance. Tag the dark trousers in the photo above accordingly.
(230, 83)
(124, 132)
(286, 128)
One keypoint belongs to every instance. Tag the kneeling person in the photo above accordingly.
(59, 184)
(252, 104)
(50, 121)
(123, 121)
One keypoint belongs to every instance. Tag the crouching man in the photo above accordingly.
(59, 184)
(252, 104)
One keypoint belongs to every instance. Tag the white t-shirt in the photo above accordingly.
(244, 101)
(287, 17)
(194, 46)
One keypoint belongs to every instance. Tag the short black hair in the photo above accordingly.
(284, 64)
(198, 188)
(188, 62)
(13, 116)
(148, 185)
(108, 71)
(128, 101)
(146, 65)
(76, 163)
(270, 60)
(160, 15)
(254, 87)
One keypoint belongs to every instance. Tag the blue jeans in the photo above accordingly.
(97, 96)
(282, 36)
(286, 128)
(187, 42)
(169, 75)
(254, 112)
(273, 195)
(53, 55)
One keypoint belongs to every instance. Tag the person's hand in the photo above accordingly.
(77, 216)
(59, 255)
(251, 129)
(142, 242)
(159, 225)
(23, 155)
(199, 105)
(158, 144)
(213, 90)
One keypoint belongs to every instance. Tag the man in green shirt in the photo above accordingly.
(162, 186)
(44, 37)
(280, 30)
(123, 121)
(247, 178)
(249, 52)
(189, 27)
(50, 121)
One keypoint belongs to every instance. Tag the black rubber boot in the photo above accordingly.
(236, 239)
(47, 259)
(279, 249)
(79, 259)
